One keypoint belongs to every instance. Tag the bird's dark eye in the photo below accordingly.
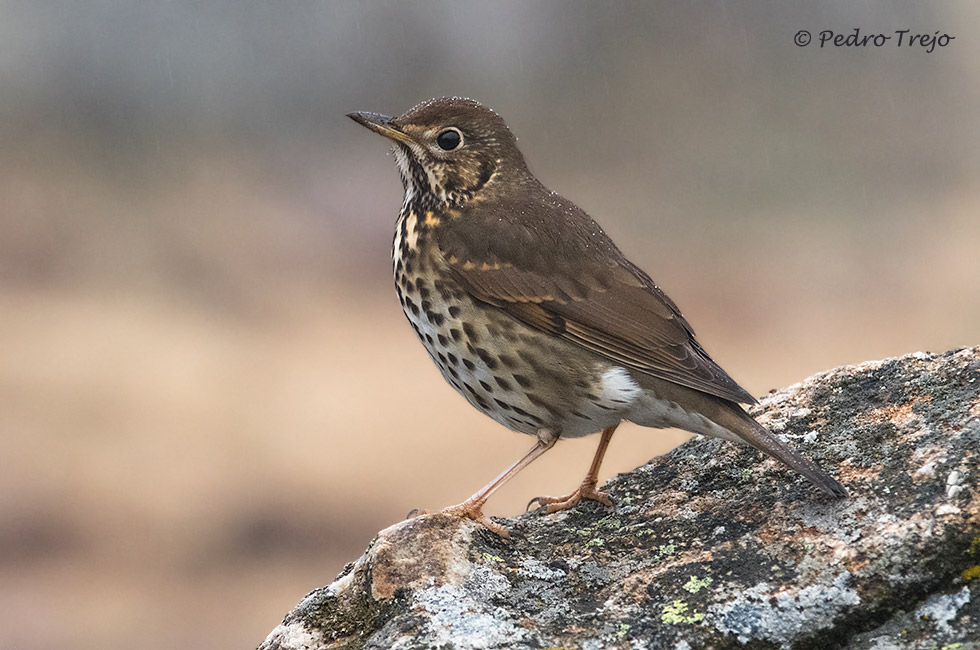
(449, 139)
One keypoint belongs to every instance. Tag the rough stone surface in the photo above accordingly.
(712, 545)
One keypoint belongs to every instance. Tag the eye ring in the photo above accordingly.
(449, 139)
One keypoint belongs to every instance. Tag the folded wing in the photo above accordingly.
(562, 275)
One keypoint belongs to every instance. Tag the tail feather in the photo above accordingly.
(741, 424)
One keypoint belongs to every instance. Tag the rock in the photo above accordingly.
(711, 545)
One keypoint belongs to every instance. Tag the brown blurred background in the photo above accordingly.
(209, 398)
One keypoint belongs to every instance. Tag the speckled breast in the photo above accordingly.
(522, 378)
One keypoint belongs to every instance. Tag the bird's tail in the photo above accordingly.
(742, 425)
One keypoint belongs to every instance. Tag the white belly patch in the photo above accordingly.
(617, 396)
(618, 388)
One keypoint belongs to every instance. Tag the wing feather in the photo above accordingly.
(606, 304)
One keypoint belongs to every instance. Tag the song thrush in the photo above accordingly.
(531, 312)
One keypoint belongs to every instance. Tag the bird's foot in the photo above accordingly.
(584, 491)
(467, 510)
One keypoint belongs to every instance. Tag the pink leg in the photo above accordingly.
(472, 508)
(587, 490)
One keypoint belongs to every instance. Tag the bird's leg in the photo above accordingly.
(472, 508)
(587, 490)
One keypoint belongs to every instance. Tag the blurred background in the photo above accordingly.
(209, 398)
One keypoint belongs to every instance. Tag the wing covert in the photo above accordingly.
(583, 289)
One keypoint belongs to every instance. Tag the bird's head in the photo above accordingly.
(449, 150)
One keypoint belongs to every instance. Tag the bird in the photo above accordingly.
(532, 313)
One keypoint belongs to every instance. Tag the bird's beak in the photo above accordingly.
(380, 124)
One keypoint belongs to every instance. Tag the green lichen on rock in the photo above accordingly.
(677, 612)
(696, 584)
(712, 545)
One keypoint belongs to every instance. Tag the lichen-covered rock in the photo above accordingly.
(712, 545)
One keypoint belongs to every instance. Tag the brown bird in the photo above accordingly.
(531, 312)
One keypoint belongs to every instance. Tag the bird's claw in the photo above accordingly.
(475, 512)
(465, 511)
(556, 504)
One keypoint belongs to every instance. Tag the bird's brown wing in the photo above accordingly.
(559, 273)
